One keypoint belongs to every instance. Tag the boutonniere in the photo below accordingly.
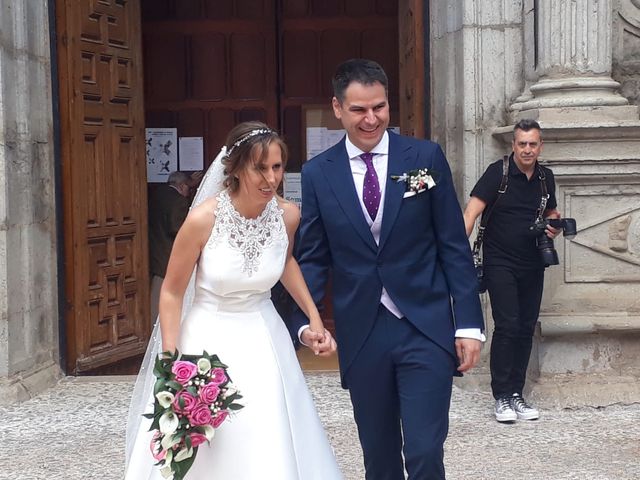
(417, 181)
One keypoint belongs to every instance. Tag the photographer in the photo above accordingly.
(513, 261)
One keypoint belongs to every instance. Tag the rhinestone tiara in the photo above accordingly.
(251, 134)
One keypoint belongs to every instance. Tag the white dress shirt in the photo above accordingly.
(358, 170)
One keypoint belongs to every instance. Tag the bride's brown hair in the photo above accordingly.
(248, 146)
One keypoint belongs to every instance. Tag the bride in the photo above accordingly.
(239, 236)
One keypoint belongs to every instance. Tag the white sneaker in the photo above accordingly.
(523, 410)
(504, 411)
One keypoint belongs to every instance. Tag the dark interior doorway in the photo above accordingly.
(210, 64)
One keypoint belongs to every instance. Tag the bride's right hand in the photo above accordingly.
(320, 342)
(327, 346)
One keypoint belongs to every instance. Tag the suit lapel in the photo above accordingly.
(338, 172)
(401, 159)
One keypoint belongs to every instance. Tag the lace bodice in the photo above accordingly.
(243, 258)
(249, 236)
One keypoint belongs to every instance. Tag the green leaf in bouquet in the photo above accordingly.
(155, 425)
(159, 386)
(232, 398)
(235, 406)
(158, 370)
(192, 389)
(180, 469)
(169, 356)
(177, 386)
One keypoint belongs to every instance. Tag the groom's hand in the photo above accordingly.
(321, 344)
(468, 351)
(327, 346)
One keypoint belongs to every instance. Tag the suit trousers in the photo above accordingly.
(515, 296)
(400, 387)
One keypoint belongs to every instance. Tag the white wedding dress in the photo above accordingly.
(277, 435)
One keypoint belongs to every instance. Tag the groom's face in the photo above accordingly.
(364, 113)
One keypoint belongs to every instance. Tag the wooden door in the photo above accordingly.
(209, 64)
(104, 181)
(316, 37)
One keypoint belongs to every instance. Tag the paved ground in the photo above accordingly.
(75, 431)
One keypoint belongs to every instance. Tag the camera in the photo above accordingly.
(545, 244)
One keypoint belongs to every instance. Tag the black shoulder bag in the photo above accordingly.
(477, 245)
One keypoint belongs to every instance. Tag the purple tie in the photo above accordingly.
(371, 187)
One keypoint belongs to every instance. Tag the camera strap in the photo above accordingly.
(545, 194)
(477, 244)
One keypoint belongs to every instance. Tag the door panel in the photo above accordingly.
(317, 36)
(103, 182)
(209, 65)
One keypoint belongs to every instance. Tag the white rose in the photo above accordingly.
(165, 399)
(204, 366)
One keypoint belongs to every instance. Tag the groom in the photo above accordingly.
(405, 303)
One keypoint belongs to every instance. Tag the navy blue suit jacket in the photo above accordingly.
(423, 258)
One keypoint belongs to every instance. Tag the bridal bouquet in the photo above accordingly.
(193, 397)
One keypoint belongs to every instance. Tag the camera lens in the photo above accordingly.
(547, 252)
(569, 227)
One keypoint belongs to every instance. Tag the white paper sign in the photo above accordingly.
(191, 153)
(321, 138)
(162, 153)
(292, 188)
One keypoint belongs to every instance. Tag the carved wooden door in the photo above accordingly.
(104, 181)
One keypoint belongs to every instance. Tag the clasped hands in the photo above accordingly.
(324, 345)
(321, 343)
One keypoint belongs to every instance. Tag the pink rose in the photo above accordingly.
(220, 417)
(197, 439)
(184, 371)
(156, 449)
(218, 376)
(188, 401)
(209, 393)
(200, 415)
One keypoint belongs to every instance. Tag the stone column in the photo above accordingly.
(574, 60)
(29, 359)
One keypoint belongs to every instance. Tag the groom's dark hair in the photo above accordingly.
(361, 70)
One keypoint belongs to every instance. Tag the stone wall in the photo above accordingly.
(28, 281)
(477, 64)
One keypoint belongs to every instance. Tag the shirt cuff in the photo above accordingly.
(302, 329)
(474, 333)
